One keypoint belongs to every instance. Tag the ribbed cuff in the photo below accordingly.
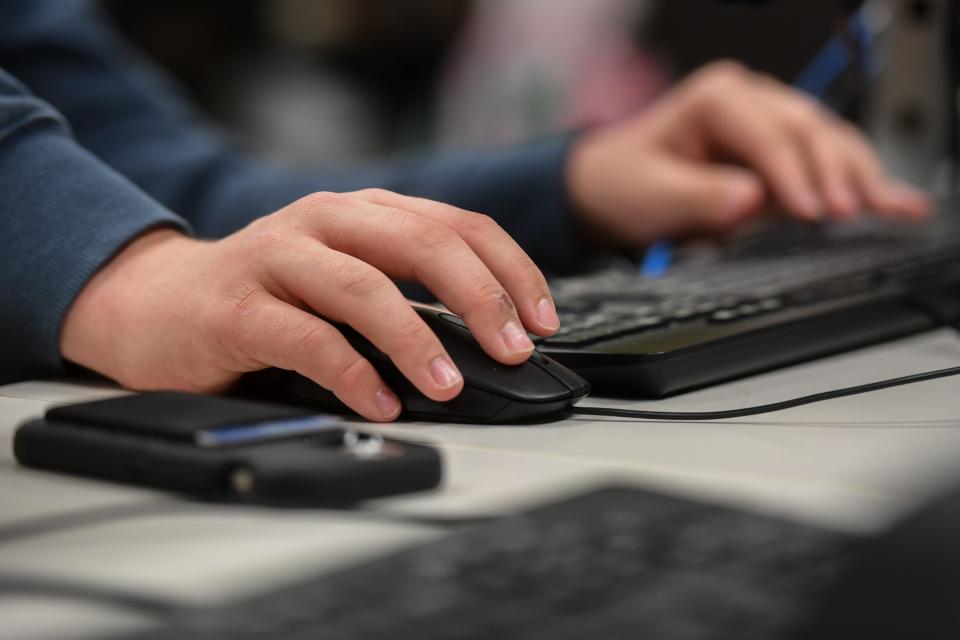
(63, 215)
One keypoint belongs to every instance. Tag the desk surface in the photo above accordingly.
(852, 463)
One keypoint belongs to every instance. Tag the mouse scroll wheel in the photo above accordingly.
(536, 356)
(457, 320)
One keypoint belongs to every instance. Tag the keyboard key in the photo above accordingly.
(614, 563)
(724, 315)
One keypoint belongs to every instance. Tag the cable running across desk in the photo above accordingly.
(766, 408)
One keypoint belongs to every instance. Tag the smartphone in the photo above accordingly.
(224, 447)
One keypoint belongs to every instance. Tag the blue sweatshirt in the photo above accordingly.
(97, 147)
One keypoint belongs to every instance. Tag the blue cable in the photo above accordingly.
(657, 259)
(829, 63)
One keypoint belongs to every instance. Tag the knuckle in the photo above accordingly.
(848, 128)
(710, 90)
(413, 331)
(493, 295)
(854, 136)
(235, 318)
(323, 201)
(312, 337)
(351, 371)
(432, 236)
(824, 159)
(264, 234)
(477, 224)
(243, 297)
(825, 148)
(266, 240)
(530, 270)
(804, 113)
(360, 280)
(725, 72)
(375, 193)
(782, 159)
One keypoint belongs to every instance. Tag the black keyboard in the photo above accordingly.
(614, 563)
(765, 301)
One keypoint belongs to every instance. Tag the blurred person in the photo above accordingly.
(527, 68)
(137, 242)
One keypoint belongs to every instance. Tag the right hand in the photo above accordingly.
(179, 313)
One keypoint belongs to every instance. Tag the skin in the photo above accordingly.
(724, 146)
(180, 313)
(175, 312)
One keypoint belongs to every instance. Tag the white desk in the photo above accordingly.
(853, 463)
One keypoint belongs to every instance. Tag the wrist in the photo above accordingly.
(592, 188)
(100, 328)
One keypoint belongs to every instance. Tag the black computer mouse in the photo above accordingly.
(492, 392)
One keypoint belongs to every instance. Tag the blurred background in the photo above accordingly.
(317, 82)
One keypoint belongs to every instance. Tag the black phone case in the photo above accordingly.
(146, 439)
(171, 414)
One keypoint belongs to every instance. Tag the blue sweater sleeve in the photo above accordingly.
(63, 213)
(131, 117)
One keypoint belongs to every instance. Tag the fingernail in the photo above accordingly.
(387, 403)
(847, 201)
(810, 204)
(444, 373)
(515, 338)
(547, 315)
(907, 194)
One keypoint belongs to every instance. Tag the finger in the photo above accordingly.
(883, 194)
(702, 197)
(829, 163)
(912, 201)
(410, 246)
(277, 334)
(345, 289)
(508, 263)
(846, 164)
(815, 130)
(847, 167)
(759, 138)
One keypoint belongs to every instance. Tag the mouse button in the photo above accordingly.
(452, 319)
(542, 411)
(564, 375)
(524, 383)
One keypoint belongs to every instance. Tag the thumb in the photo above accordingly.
(706, 198)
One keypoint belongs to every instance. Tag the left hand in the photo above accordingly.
(719, 149)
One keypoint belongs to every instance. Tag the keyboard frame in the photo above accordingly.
(653, 365)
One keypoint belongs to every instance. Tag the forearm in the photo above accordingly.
(522, 188)
(63, 215)
(131, 117)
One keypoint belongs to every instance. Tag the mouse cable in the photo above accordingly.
(925, 302)
(766, 408)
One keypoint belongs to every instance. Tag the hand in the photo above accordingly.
(716, 151)
(178, 313)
